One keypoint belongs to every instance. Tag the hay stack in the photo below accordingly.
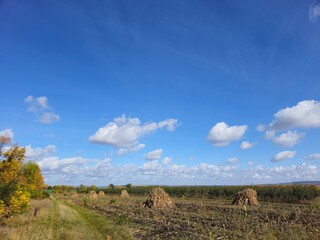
(124, 194)
(74, 195)
(246, 197)
(158, 198)
(92, 195)
(101, 194)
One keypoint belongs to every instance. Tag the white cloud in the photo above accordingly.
(150, 168)
(261, 127)
(54, 163)
(39, 153)
(78, 170)
(125, 133)
(314, 11)
(269, 134)
(246, 145)
(283, 155)
(313, 156)
(44, 113)
(134, 148)
(306, 114)
(279, 174)
(221, 134)
(154, 155)
(288, 139)
(48, 117)
(36, 104)
(166, 160)
(233, 160)
(8, 133)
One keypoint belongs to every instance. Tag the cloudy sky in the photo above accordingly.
(163, 92)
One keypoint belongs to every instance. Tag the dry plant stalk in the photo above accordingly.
(124, 194)
(101, 194)
(92, 195)
(158, 199)
(246, 197)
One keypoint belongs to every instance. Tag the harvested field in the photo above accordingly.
(196, 218)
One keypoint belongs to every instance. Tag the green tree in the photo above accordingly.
(32, 179)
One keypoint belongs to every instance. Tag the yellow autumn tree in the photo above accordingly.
(18, 181)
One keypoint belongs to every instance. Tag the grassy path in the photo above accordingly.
(57, 220)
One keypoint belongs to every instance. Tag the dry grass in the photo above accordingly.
(53, 220)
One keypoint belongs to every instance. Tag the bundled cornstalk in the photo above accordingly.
(74, 195)
(92, 195)
(101, 194)
(124, 194)
(246, 197)
(158, 199)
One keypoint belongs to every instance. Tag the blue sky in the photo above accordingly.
(163, 92)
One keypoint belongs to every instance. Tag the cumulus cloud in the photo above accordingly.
(39, 153)
(125, 133)
(221, 134)
(8, 133)
(77, 170)
(233, 160)
(39, 106)
(54, 163)
(313, 156)
(283, 155)
(134, 148)
(314, 11)
(246, 145)
(261, 127)
(288, 139)
(48, 117)
(306, 114)
(152, 167)
(269, 134)
(154, 155)
(166, 160)
(283, 174)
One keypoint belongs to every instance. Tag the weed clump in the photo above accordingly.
(246, 197)
(158, 199)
